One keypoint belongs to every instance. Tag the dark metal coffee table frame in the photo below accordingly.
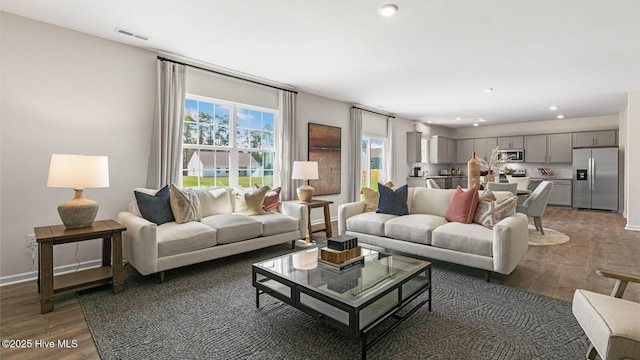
(279, 285)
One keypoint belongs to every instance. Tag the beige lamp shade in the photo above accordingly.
(78, 172)
(305, 170)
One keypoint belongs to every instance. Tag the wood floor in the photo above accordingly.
(598, 240)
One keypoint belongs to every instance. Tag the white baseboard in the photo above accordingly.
(64, 269)
(632, 227)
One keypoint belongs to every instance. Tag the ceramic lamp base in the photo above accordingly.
(305, 193)
(78, 212)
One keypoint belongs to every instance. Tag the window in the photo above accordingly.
(227, 144)
(372, 162)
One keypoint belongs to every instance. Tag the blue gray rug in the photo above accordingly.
(207, 311)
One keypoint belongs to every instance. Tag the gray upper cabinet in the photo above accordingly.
(594, 138)
(511, 142)
(483, 147)
(442, 150)
(464, 149)
(554, 148)
(414, 147)
(559, 149)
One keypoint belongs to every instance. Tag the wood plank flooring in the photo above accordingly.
(598, 240)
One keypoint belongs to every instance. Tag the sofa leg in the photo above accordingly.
(161, 276)
(591, 352)
(293, 244)
(487, 276)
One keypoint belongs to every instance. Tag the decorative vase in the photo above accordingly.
(489, 177)
(473, 172)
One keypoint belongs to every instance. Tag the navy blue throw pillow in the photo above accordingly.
(393, 202)
(155, 208)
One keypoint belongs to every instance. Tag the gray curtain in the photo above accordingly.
(166, 141)
(287, 143)
(354, 166)
(390, 151)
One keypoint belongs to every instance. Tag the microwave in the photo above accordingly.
(511, 156)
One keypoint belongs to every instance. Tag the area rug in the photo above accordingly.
(207, 311)
(550, 237)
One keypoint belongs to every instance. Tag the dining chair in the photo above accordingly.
(493, 186)
(535, 205)
(432, 184)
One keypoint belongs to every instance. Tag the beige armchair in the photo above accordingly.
(611, 323)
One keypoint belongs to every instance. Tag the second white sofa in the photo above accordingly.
(426, 233)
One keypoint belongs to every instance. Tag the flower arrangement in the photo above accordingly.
(494, 161)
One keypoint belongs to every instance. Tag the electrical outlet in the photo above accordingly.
(31, 241)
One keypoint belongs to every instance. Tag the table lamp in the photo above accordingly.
(78, 172)
(305, 170)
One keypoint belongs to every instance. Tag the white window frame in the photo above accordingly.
(233, 149)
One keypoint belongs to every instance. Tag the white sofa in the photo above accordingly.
(152, 248)
(426, 233)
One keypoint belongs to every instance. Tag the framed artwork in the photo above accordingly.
(325, 148)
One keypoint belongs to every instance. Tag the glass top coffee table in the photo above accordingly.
(357, 299)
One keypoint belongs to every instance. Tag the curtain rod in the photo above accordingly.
(373, 112)
(161, 58)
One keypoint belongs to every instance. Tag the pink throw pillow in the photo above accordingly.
(462, 206)
(271, 199)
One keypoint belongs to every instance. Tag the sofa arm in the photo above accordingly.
(140, 243)
(298, 212)
(346, 211)
(510, 242)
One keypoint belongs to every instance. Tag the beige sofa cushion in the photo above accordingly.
(467, 238)
(184, 204)
(431, 201)
(369, 223)
(174, 238)
(232, 228)
(415, 228)
(275, 223)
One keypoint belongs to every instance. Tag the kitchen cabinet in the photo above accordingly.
(464, 149)
(483, 147)
(560, 193)
(416, 182)
(594, 138)
(442, 150)
(553, 148)
(511, 142)
(414, 147)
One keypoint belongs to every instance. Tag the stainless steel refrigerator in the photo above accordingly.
(595, 178)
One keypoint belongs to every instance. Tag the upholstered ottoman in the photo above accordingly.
(612, 324)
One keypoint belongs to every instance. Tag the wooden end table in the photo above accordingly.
(327, 215)
(47, 236)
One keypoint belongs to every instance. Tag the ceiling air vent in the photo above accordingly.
(131, 33)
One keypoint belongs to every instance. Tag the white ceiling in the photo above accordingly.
(429, 62)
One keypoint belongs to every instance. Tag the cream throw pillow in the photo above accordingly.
(490, 211)
(215, 201)
(185, 205)
(250, 203)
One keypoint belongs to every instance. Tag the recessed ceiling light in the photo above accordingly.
(475, 124)
(388, 9)
(553, 107)
(560, 116)
(481, 120)
(429, 122)
(487, 90)
(458, 118)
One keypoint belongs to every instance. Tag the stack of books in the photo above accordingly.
(341, 252)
